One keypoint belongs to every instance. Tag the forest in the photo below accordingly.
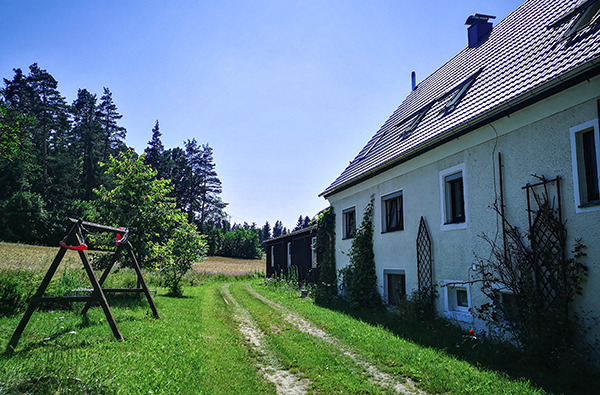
(61, 160)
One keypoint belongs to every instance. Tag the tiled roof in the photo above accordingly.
(525, 55)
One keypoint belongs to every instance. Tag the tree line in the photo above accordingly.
(55, 161)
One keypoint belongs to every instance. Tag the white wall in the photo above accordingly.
(532, 141)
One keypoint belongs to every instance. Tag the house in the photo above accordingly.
(515, 112)
(294, 255)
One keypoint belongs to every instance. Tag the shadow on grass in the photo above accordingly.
(441, 334)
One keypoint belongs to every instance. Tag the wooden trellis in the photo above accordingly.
(74, 241)
(424, 258)
(547, 236)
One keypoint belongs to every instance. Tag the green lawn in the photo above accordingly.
(199, 346)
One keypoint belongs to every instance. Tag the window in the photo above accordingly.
(508, 305)
(459, 95)
(349, 218)
(313, 247)
(585, 155)
(457, 300)
(394, 285)
(585, 18)
(272, 256)
(392, 211)
(289, 254)
(454, 203)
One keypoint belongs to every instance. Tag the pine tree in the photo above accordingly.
(113, 134)
(306, 222)
(49, 109)
(265, 232)
(299, 224)
(277, 229)
(88, 135)
(155, 152)
(201, 197)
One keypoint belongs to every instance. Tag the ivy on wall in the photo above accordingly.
(327, 286)
(360, 278)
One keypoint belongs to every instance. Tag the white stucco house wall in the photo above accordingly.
(528, 89)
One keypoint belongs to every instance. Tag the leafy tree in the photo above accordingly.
(241, 243)
(11, 132)
(179, 253)
(23, 218)
(139, 202)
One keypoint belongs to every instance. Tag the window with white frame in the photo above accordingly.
(313, 248)
(349, 225)
(392, 210)
(272, 256)
(289, 254)
(453, 197)
(394, 285)
(457, 300)
(585, 157)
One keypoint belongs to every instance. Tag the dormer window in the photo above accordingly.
(588, 13)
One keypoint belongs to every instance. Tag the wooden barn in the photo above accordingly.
(294, 254)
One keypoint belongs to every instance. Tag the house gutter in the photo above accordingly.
(559, 84)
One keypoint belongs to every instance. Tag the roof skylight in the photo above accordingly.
(586, 16)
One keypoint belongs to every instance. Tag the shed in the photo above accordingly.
(294, 254)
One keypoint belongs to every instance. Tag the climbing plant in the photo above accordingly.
(327, 285)
(532, 285)
(359, 278)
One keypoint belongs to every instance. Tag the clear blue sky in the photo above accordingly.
(285, 92)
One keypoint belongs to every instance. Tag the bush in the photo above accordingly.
(16, 288)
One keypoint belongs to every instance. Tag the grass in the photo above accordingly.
(197, 347)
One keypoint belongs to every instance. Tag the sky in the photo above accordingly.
(285, 92)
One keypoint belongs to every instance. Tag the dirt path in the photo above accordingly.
(374, 375)
(285, 382)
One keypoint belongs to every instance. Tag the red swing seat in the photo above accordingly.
(75, 248)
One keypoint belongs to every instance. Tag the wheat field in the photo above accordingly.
(29, 257)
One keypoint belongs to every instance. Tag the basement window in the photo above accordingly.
(457, 300)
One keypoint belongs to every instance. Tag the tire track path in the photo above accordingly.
(286, 383)
(375, 375)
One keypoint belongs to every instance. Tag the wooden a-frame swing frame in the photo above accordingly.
(72, 239)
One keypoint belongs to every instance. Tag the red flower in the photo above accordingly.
(472, 332)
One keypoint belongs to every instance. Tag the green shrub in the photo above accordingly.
(17, 286)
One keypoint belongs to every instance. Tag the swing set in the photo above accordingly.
(74, 240)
